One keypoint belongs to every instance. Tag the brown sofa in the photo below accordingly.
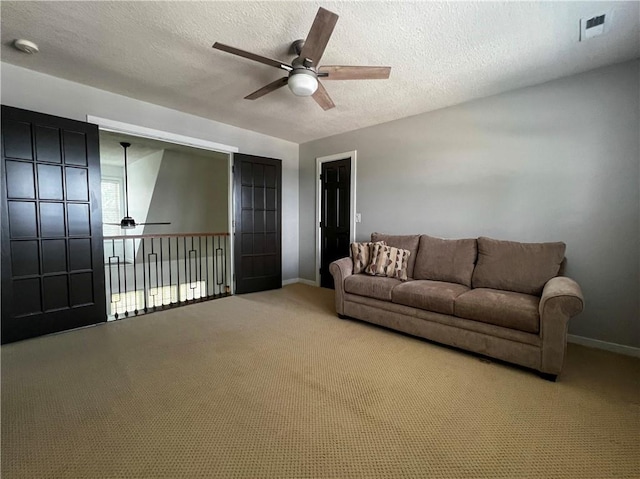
(502, 299)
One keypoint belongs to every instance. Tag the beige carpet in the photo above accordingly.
(275, 385)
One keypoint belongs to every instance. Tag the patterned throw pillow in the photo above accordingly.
(389, 261)
(361, 255)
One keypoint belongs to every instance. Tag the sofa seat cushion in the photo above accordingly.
(377, 287)
(502, 308)
(436, 296)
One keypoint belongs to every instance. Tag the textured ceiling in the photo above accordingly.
(441, 53)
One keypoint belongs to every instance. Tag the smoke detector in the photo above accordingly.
(594, 26)
(26, 46)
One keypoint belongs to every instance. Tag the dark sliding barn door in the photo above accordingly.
(258, 223)
(335, 224)
(52, 261)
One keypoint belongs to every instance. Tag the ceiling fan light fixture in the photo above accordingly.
(127, 223)
(303, 82)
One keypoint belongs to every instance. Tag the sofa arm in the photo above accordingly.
(563, 293)
(340, 269)
(561, 299)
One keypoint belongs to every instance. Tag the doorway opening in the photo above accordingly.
(335, 211)
(154, 267)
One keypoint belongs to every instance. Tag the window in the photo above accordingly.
(111, 205)
(169, 294)
(112, 212)
(156, 297)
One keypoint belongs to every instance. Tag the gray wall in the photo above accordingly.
(191, 191)
(559, 161)
(35, 91)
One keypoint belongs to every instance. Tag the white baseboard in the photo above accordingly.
(607, 346)
(308, 282)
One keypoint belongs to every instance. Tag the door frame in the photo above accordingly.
(115, 126)
(352, 201)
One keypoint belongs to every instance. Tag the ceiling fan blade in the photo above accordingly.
(111, 224)
(319, 35)
(252, 56)
(338, 72)
(150, 224)
(322, 98)
(279, 83)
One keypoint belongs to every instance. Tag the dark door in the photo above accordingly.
(52, 262)
(258, 223)
(335, 224)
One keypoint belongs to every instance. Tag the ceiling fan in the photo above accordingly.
(303, 72)
(128, 222)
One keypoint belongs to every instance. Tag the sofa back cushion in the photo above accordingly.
(519, 267)
(408, 242)
(449, 260)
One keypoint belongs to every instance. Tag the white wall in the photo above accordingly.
(558, 161)
(142, 176)
(35, 91)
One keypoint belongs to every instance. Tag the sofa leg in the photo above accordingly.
(342, 316)
(549, 377)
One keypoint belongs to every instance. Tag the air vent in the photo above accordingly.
(595, 21)
(594, 26)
